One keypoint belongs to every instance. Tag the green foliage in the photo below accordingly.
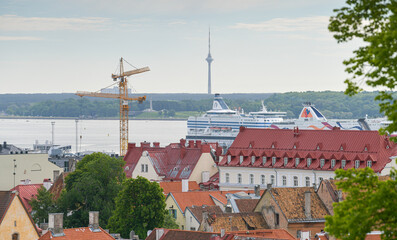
(370, 205)
(170, 222)
(42, 205)
(375, 23)
(92, 187)
(140, 206)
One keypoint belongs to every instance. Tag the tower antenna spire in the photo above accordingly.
(209, 59)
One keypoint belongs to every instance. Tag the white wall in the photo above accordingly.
(278, 173)
(191, 221)
(151, 174)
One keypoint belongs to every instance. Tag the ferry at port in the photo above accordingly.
(221, 124)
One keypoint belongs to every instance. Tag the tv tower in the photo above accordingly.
(209, 59)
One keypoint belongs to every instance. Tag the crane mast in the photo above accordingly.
(124, 98)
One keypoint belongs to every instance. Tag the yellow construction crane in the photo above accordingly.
(123, 96)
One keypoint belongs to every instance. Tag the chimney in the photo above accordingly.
(22, 182)
(47, 183)
(185, 185)
(269, 186)
(55, 224)
(131, 146)
(94, 221)
(5, 144)
(308, 213)
(198, 143)
(156, 144)
(257, 191)
(56, 175)
(205, 148)
(145, 144)
(183, 142)
(159, 233)
(191, 143)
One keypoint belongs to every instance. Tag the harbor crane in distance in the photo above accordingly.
(121, 79)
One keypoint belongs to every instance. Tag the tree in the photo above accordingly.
(92, 187)
(375, 23)
(169, 222)
(370, 204)
(42, 205)
(140, 206)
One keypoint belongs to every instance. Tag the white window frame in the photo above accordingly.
(284, 181)
(274, 160)
(229, 158)
(307, 181)
(333, 163)
(356, 164)
(297, 161)
(322, 162)
(369, 163)
(296, 181)
(241, 159)
(253, 159)
(264, 159)
(343, 163)
(309, 162)
(263, 179)
(227, 177)
(285, 161)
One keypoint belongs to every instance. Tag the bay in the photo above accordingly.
(93, 135)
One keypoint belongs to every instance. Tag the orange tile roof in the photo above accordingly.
(236, 221)
(265, 234)
(79, 233)
(177, 186)
(246, 205)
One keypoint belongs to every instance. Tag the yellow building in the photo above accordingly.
(34, 167)
(15, 221)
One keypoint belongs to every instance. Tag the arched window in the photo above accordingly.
(251, 178)
(239, 178)
(272, 180)
(227, 178)
(15, 236)
(307, 181)
(284, 181)
(263, 180)
(36, 167)
(295, 181)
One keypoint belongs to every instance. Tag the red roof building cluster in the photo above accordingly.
(174, 162)
(26, 193)
(309, 149)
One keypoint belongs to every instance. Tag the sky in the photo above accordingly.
(258, 46)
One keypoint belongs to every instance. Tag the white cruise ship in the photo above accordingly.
(221, 124)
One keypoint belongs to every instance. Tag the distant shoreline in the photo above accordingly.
(99, 118)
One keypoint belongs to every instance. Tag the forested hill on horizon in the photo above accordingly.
(181, 105)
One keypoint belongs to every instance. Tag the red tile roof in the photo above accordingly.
(27, 192)
(79, 233)
(176, 234)
(235, 221)
(316, 144)
(197, 211)
(177, 186)
(262, 234)
(246, 205)
(175, 161)
(213, 182)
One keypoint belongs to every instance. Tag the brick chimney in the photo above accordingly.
(94, 221)
(257, 191)
(183, 142)
(198, 143)
(156, 144)
(308, 213)
(191, 143)
(55, 224)
(205, 148)
(185, 185)
(131, 146)
(145, 144)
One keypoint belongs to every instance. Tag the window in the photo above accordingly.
(333, 162)
(322, 162)
(343, 163)
(307, 181)
(272, 181)
(276, 219)
(241, 159)
(191, 219)
(173, 213)
(263, 179)
(298, 234)
(252, 160)
(285, 161)
(309, 162)
(369, 163)
(296, 162)
(146, 168)
(264, 159)
(284, 181)
(229, 158)
(15, 236)
(273, 161)
(357, 163)
(239, 178)
(192, 229)
(295, 181)
(251, 178)
(227, 178)
(142, 167)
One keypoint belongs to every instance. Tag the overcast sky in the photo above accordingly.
(54, 46)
